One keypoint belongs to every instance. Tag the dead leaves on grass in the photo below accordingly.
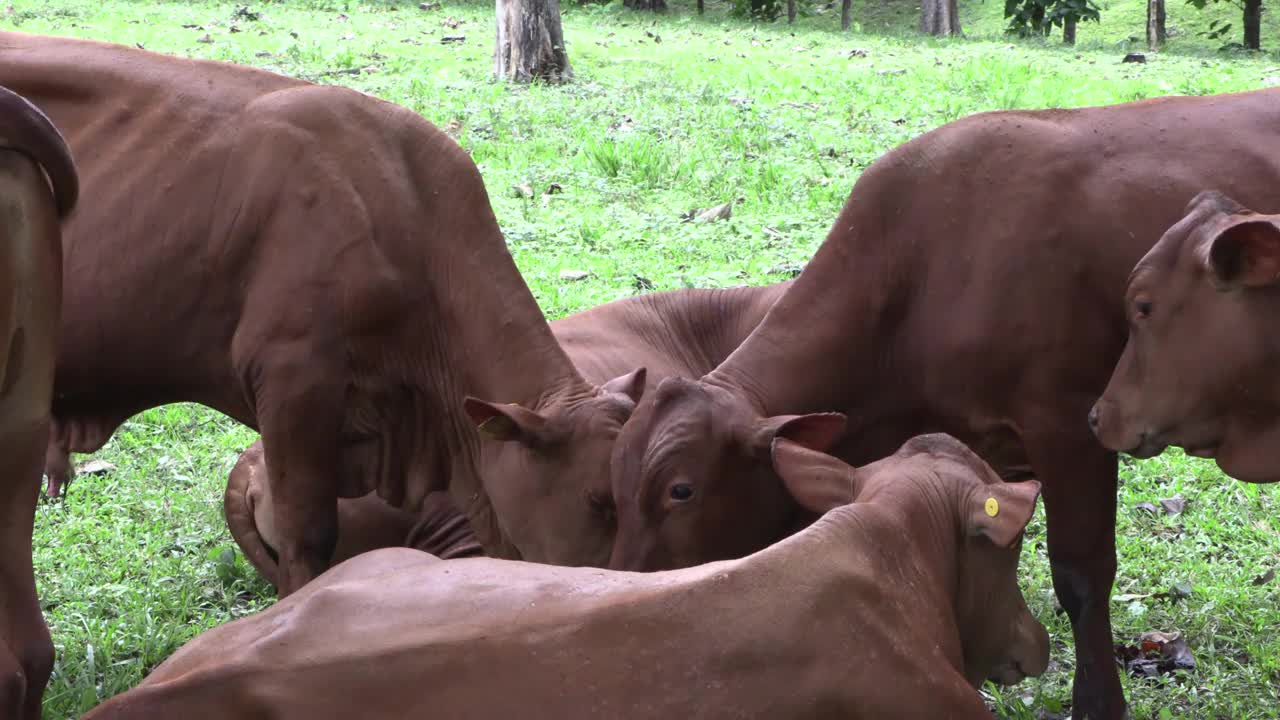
(1154, 654)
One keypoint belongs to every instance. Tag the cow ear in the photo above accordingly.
(631, 384)
(817, 431)
(1246, 254)
(505, 422)
(1001, 511)
(817, 481)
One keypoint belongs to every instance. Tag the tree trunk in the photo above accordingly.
(699, 7)
(1252, 24)
(939, 17)
(530, 42)
(1155, 24)
(791, 11)
(1069, 30)
(654, 5)
(846, 14)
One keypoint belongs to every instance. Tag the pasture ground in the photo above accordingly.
(668, 114)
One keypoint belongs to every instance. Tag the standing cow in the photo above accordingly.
(1200, 367)
(38, 187)
(324, 267)
(971, 285)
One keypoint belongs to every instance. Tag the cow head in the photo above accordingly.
(942, 489)
(693, 477)
(546, 470)
(1199, 368)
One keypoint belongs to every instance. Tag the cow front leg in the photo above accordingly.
(300, 414)
(1079, 481)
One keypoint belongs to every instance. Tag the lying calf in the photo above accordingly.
(365, 523)
(896, 605)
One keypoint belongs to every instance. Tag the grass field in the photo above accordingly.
(668, 114)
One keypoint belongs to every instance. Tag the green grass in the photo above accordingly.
(777, 120)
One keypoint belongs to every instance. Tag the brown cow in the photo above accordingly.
(971, 285)
(322, 266)
(683, 333)
(33, 161)
(1199, 370)
(895, 606)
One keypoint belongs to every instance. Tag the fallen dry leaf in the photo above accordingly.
(1155, 653)
(719, 212)
(523, 190)
(453, 39)
(1265, 577)
(1148, 507)
(95, 467)
(1174, 505)
(574, 275)
(204, 38)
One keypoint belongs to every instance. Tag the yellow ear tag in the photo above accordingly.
(992, 507)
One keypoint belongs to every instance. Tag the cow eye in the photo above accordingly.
(680, 492)
(1143, 307)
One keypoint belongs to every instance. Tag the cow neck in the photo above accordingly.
(822, 340)
(904, 528)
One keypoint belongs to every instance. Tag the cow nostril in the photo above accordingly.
(1093, 418)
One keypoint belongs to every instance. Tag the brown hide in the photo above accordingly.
(894, 606)
(324, 267)
(33, 161)
(683, 333)
(972, 285)
(1199, 368)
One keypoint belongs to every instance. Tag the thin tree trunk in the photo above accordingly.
(530, 44)
(1069, 30)
(791, 11)
(1252, 24)
(939, 17)
(654, 5)
(699, 7)
(1155, 24)
(846, 14)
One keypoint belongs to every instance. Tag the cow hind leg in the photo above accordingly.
(1079, 481)
(299, 407)
(26, 658)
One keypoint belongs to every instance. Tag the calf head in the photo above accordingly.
(946, 491)
(693, 477)
(546, 470)
(1199, 367)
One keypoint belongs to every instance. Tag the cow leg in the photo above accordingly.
(1079, 481)
(26, 658)
(299, 410)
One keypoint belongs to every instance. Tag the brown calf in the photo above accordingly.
(1200, 367)
(38, 187)
(683, 333)
(897, 605)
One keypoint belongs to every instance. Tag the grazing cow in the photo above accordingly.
(38, 187)
(683, 333)
(1199, 369)
(971, 285)
(322, 266)
(897, 605)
